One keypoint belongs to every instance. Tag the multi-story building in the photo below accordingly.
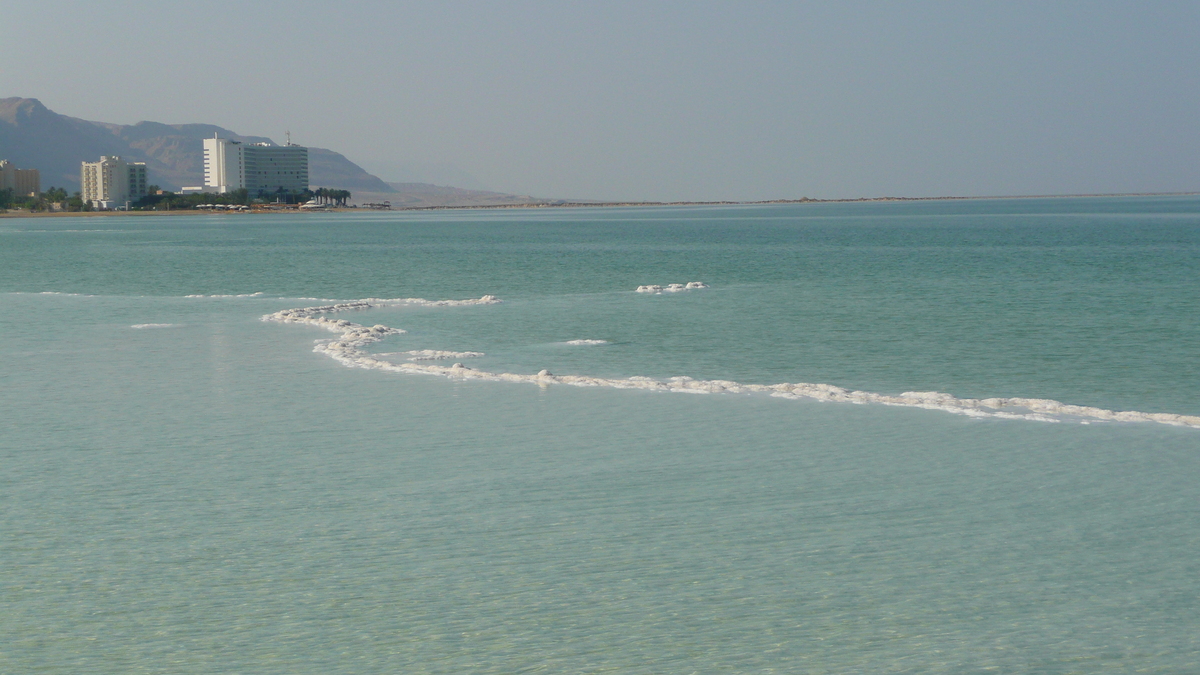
(274, 168)
(112, 182)
(261, 168)
(224, 165)
(23, 182)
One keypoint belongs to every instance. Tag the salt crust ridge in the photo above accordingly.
(433, 355)
(348, 349)
(671, 288)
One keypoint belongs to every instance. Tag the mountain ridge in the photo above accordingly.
(34, 137)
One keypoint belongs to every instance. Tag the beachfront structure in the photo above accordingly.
(112, 182)
(23, 182)
(224, 166)
(260, 168)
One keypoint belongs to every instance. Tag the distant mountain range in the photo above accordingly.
(34, 137)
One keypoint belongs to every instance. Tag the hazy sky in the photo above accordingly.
(655, 100)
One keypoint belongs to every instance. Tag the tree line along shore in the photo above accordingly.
(56, 201)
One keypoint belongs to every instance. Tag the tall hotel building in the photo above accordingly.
(23, 182)
(258, 167)
(112, 181)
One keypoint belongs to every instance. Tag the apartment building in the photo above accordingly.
(112, 182)
(23, 182)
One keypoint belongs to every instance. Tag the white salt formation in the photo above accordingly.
(348, 349)
(433, 355)
(671, 288)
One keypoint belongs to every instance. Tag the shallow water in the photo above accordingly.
(189, 488)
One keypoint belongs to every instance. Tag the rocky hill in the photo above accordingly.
(34, 137)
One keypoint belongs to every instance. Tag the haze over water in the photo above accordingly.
(188, 488)
(659, 101)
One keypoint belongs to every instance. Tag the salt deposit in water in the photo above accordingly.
(671, 288)
(348, 349)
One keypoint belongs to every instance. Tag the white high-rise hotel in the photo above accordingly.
(112, 181)
(258, 167)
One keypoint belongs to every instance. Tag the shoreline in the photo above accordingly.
(804, 200)
(582, 204)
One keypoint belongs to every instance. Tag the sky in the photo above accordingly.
(651, 100)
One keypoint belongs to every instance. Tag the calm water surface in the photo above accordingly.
(186, 488)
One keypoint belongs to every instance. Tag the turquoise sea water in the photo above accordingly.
(187, 488)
